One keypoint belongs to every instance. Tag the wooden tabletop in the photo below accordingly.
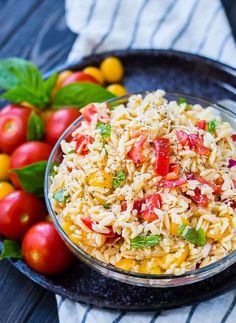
(35, 30)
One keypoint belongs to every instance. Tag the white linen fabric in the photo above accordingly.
(196, 26)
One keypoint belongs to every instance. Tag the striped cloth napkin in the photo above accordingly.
(197, 26)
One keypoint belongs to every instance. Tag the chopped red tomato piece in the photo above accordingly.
(194, 141)
(152, 202)
(199, 198)
(201, 124)
(162, 152)
(233, 137)
(216, 189)
(82, 142)
(138, 205)
(89, 223)
(88, 112)
(123, 206)
(173, 172)
(136, 151)
(182, 138)
(172, 183)
(234, 182)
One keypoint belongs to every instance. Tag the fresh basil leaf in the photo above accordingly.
(118, 179)
(50, 83)
(11, 249)
(212, 126)
(31, 177)
(52, 171)
(106, 205)
(35, 129)
(71, 152)
(192, 235)
(81, 94)
(145, 241)
(181, 101)
(24, 82)
(61, 195)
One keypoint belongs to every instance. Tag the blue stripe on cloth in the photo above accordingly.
(162, 20)
(86, 314)
(191, 312)
(111, 26)
(187, 23)
(155, 316)
(90, 12)
(136, 24)
(208, 28)
(222, 47)
(122, 314)
(229, 310)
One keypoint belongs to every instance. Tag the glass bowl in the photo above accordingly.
(148, 280)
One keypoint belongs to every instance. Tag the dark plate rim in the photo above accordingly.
(39, 279)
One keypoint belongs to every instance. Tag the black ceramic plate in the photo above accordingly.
(148, 70)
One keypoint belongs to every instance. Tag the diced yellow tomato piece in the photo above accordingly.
(95, 73)
(166, 261)
(66, 226)
(175, 226)
(182, 257)
(143, 267)
(125, 264)
(102, 179)
(216, 234)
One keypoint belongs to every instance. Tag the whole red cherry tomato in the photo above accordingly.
(58, 122)
(19, 211)
(78, 77)
(44, 251)
(13, 127)
(28, 153)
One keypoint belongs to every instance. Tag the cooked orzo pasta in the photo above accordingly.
(149, 187)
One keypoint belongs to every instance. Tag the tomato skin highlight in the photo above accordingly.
(44, 251)
(13, 127)
(136, 151)
(78, 77)
(58, 122)
(88, 112)
(19, 211)
(162, 152)
(28, 153)
(81, 143)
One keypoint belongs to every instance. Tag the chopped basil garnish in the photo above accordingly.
(106, 205)
(60, 196)
(212, 126)
(71, 152)
(104, 129)
(145, 241)
(181, 101)
(192, 235)
(118, 179)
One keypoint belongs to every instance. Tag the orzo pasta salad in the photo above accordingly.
(149, 186)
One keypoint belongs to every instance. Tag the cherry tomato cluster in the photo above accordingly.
(23, 215)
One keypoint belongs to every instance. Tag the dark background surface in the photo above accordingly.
(36, 30)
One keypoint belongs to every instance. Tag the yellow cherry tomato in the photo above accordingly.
(5, 189)
(112, 69)
(117, 89)
(95, 73)
(4, 166)
(62, 76)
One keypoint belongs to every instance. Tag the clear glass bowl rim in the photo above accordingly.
(230, 258)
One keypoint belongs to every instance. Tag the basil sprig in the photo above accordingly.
(31, 177)
(118, 179)
(11, 249)
(212, 126)
(192, 235)
(143, 241)
(23, 82)
(35, 129)
(81, 94)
